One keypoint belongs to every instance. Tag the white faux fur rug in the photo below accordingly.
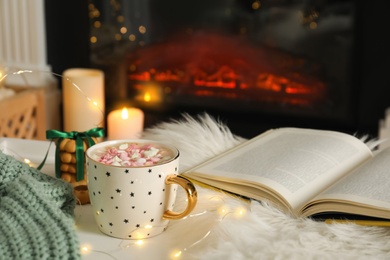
(225, 227)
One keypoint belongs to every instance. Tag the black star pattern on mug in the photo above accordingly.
(116, 207)
(152, 220)
(175, 169)
(149, 193)
(150, 170)
(112, 197)
(132, 194)
(127, 171)
(126, 221)
(95, 178)
(118, 191)
(144, 211)
(131, 182)
(102, 210)
(110, 224)
(159, 175)
(94, 194)
(133, 207)
(137, 226)
(108, 174)
(95, 166)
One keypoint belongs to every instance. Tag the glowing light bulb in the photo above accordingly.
(176, 254)
(256, 5)
(132, 37)
(93, 39)
(223, 210)
(27, 161)
(123, 30)
(240, 212)
(142, 29)
(139, 242)
(85, 249)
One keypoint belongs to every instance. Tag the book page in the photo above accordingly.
(297, 163)
(367, 185)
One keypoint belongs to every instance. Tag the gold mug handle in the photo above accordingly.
(192, 196)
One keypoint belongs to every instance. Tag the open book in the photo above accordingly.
(306, 172)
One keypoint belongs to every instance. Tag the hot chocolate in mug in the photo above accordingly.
(132, 186)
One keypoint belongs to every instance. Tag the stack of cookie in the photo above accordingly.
(68, 168)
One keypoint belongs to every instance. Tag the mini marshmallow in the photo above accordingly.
(132, 154)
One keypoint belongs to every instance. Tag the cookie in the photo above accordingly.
(68, 168)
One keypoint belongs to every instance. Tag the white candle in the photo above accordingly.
(126, 123)
(83, 99)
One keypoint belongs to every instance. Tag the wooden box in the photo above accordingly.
(23, 114)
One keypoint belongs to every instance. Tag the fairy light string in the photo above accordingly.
(221, 211)
(59, 136)
(21, 72)
(216, 206)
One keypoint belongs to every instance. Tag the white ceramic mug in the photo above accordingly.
(135, 202)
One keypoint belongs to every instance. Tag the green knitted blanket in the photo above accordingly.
(36, 214)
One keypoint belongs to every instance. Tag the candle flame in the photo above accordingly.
(125, 113)
(147, 97)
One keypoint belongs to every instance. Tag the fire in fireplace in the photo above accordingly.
(210, 69)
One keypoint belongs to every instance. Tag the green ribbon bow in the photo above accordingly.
(79, 137)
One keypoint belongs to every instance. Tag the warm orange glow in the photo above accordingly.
(93, 39)
(220, 67)
(144, 76)
(120, 19)
(142, 29)
(125, 113)
(256, 5)
(147, 97)
(97, 24)
(132, 37)
(123, 30)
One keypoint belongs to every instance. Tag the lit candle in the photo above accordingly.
(83, 99)
(126, 123)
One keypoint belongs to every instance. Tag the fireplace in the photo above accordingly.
(252, 64)
(211, 70)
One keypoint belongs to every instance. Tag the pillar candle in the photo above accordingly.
(126, 123)
(83, 99)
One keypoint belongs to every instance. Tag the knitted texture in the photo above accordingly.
(36, 214)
